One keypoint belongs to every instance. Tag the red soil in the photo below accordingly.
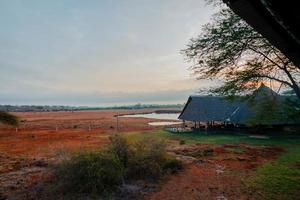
(220, 176)
(44, 136)
(43, 133)
(24, 154)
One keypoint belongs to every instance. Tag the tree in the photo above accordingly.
(8, 119)
(230, 49)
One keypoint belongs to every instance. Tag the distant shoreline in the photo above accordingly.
(33, 108)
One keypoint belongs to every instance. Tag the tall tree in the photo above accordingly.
(230, 49)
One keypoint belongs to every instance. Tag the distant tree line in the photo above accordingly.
(47, 108)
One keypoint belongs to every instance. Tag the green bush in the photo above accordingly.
(101, 172)
(172, 165)
(120, 148)
(146, 160)
(9, 119)
(182, 142)
(95, 172)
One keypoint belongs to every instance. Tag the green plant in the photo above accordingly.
(147, 160)
(172, 165)
(96, 172)
(75, 126)
(182, 142)
(101, 172)
(119, 146)
(9, 119)
(279, 179)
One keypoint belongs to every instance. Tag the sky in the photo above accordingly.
(98, 52)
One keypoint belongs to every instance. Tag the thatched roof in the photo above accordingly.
(237, 111)
(208, 108)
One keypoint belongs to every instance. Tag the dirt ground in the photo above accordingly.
(44, 137)
(218, 172)
(43, 133)
(210, 172)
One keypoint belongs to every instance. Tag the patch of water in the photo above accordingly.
(163, 123)
(168, 116)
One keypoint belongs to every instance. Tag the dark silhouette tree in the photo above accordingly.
(229, 49)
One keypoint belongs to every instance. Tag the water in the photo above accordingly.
(165, 116)
(162, 116)
(163, 123)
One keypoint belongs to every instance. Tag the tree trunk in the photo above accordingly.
(297, 91)
(294, 86)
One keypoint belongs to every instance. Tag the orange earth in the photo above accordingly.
(43, 137)
(43, 133)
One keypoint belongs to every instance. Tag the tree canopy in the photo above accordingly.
(229, 49)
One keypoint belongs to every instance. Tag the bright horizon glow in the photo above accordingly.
(63, 52)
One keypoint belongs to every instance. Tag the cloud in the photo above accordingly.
(50, 49)
(96, 98)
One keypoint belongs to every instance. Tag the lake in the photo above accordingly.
(163, 116)
(167, 116)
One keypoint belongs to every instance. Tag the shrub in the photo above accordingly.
(75, 126)
(95, 172)
(147, 160)
(172, 165)
(120, 148)
(182, 142)
(9, 119)
(101, 172)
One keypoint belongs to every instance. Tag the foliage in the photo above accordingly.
(101, 172)
(291, 109)
(120, 147)
(172, 165)
(182, 142)
(94, 172)
(9, 119)
(267, 111)
(229, 49)
(147, 160)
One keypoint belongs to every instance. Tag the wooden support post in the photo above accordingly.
(117, 122)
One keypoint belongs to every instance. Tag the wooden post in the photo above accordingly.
(117, 123)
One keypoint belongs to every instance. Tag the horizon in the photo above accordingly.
(108, 105)
(95, 53)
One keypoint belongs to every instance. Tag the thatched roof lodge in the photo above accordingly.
(233, 111)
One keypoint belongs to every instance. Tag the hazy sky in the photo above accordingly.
(97, 52)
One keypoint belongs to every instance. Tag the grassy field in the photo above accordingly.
(278, 179)
(218, 138)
